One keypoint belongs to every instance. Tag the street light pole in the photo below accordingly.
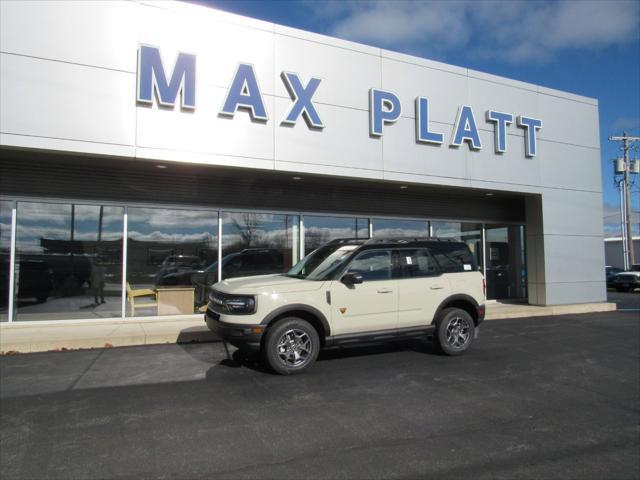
(623, 227)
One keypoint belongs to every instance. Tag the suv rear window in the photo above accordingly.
(415, 264)
(453, 257)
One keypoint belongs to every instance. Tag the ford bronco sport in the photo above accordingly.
(352, 291)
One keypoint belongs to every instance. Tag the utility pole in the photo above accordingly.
(626, 169)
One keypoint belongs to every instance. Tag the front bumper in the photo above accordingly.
(246, 337)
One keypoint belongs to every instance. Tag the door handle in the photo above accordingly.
(436, 287)
(385, 290)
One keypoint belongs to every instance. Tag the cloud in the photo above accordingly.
(625, 123)
(513, 31)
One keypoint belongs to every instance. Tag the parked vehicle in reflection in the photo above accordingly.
(245, 263)
(177, 267)
(629, 280)
(611, 273)
(34, 280)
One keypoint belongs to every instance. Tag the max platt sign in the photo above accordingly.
(385, 107)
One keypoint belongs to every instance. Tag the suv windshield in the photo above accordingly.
(319, 263)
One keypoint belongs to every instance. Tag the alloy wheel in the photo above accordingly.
(294, 347)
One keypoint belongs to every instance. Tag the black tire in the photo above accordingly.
(291, 346)
(456, 331)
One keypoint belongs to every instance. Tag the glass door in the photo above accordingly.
(506, 267)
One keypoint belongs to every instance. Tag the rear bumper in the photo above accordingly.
(630, 282)
(246, 337)
(481, 311)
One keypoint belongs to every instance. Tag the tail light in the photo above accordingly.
(484, 288)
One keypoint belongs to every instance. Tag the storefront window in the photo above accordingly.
(5, 252)
(471, 233)
(506, 267)
(389, 228)
(68, 261)
(320, 230)
(167, 251)
(258, 244)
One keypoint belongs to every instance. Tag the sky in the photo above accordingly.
(587, 47)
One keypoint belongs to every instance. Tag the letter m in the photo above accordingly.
(151, 76)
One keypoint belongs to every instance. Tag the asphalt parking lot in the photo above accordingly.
(547, 397)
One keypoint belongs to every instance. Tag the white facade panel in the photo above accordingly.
(44, 98)
(445, 91)
(89, 33)
(343, 72)
(488, 95)
(337, 145)
(568, 121)
(205, 130)
(575, 292)
(512, 168)
(423, 62)
(402, 154)
(572, 259)
(63, 145)
(219, 46)
(572, 212)
(567, 166)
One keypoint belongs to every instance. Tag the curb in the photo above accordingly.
(72, 335)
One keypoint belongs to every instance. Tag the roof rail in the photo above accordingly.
(345, 241)
(408, 240)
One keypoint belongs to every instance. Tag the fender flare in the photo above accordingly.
(452, 298)
(298, 307)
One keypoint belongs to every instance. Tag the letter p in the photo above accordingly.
(384, 108)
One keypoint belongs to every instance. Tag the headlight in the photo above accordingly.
(238, 304)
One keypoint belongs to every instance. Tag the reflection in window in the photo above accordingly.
(320, 230)
(471, 233)
(166, 249)
(372, 265)
(416, 264)
(5, 252)
(390, 228)
(506, 267)
(258, 244)
(68, 261)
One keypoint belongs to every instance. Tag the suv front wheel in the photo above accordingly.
(291, 346)
(455, 331)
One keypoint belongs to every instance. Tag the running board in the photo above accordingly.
(381, 336)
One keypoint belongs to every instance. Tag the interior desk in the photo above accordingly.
(175, 300)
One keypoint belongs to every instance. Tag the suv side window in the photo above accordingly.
(453, 257)
(415, 264)
(372, 265)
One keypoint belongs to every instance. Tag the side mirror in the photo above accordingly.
(351, 278)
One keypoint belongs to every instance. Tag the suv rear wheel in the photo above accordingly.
(291, 346)
(455, 331)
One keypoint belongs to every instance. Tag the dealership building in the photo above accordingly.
(148, 149)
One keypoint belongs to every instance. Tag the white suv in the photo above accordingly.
(352, 291)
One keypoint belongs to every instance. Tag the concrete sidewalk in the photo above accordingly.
(27, 337)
